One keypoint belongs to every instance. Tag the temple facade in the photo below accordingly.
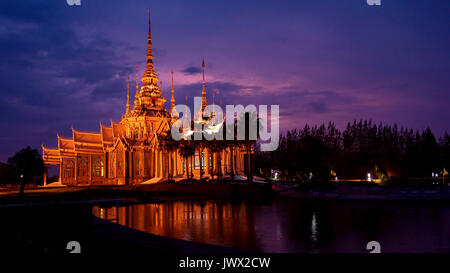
(130, 151)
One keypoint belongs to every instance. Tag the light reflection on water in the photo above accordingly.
(294, 225)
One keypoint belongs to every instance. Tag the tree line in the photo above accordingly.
(322, 151)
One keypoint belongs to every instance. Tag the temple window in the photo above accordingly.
(137, 163)
(203, 160)
(197, 163)
(98, 166)
(69, 169)
(119, 156)
(113, 165)
(83, 166)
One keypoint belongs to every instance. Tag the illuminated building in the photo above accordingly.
(129, 151)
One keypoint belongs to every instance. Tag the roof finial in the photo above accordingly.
(149, 74)
(214, 108)
(128, 95)
(204, 104)
(172, 99)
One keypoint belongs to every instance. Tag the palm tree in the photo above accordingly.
(217, 147)
(230, 144)
(200, 145)
(250, 118)
(167, 143)
(186, 151)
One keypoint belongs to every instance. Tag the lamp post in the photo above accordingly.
(22, 185)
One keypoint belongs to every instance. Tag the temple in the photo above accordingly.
(130, 151)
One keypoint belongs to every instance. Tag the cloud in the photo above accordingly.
(192, 70)
(54, 77)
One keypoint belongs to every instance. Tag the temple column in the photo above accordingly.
(90, 170)
(150, 162)
(222, 159)
(175, 163)
(157, 163)
(75, 175)
(180, 164)
(45, 175)
(161, 164)
(205, 161)
(214, 163)
(153, 163)
(60, 171)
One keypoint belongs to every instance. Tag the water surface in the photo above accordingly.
(290, 225)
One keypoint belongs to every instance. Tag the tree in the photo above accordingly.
(28, 166)
(249, 118)
(170, 145)
(187, 150)
(7, 173)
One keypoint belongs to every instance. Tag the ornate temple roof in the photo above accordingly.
(85, 142)
(50, 156)
(149, 98)
(107, 133)
(148, 102)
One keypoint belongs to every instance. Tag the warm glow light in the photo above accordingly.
(214, 129)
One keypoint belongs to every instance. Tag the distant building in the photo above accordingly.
(129, 151)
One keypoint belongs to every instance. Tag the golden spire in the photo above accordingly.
(172, 99)
(204, 104)
(128, 95)
(136, 97)
(149, 74)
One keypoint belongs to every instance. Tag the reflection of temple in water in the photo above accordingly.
(209, 222)
(130, 151)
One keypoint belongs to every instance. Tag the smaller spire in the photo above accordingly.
(214, 108)
(128, 95)
(172, 99)
(204, 103)
(136, 97)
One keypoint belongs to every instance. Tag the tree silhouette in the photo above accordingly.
(362, 147)
(28, 166)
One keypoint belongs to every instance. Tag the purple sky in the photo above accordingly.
(320, 60)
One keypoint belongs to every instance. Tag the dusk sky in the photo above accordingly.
(65, 66)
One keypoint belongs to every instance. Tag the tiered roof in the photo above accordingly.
(84, 142)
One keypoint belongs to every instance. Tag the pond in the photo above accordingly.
(295, 226)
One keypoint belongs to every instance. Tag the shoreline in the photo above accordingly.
(323, 195)
(202, 191)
